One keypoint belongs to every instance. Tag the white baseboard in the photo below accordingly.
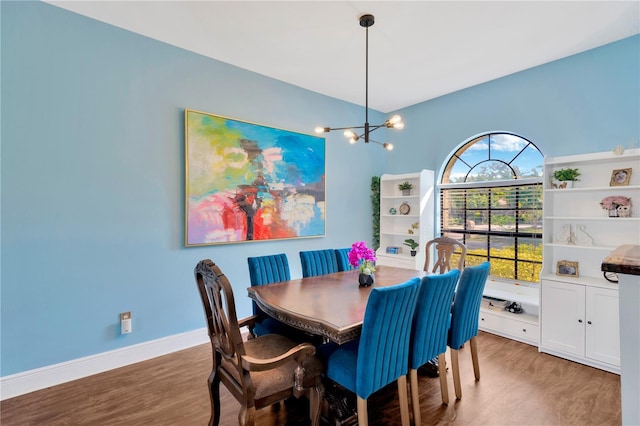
(51, 375)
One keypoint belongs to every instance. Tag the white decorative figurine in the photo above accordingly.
(566, 235)
(581, 237)
(624, 211)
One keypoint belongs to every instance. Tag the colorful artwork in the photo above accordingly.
(247, 182)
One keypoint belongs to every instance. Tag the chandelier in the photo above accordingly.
(394, 122)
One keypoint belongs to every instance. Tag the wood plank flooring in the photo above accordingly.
(518, 386)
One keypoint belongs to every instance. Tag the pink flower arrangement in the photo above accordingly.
(362, 257)
(614, 201)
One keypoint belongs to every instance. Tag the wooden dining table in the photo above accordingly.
(331, 305)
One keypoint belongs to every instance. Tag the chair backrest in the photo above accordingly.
(220, 310)
(383, 351)
(318, 262)
(268, 269)
(466, 304)
(431, 320)
(342, 257)
(445, 248)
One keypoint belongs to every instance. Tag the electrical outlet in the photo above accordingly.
(125, 323)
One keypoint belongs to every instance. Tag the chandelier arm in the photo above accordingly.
(345, 128)
(385, 145)
(371, 128)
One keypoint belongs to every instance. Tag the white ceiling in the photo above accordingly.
(418, 50)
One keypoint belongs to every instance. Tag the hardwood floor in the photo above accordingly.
(518, 385)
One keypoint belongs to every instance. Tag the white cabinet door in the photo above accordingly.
(603, 325)
(562, 317)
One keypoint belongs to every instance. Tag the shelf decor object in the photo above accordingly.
(412, 244)
(405, 187)
(617, 205)
(566, 236)
(567, 268)
(620, 177)
(581, 237)
(247, 182)
(564, 178)
(404, 208)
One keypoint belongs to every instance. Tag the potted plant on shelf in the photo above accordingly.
(411, 243)
(405, 187)
(564, 178)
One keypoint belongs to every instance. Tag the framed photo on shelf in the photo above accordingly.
(567, 269)
(620, 177)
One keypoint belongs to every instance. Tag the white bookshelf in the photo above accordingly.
(396, 227)
(579, 315)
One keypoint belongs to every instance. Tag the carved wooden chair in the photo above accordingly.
(257, 372)
(445, 248)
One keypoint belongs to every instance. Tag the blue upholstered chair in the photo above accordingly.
(464, 318)
(318, 262)
(429, 331)
(381, 354)
(342, 257)
(266, 270)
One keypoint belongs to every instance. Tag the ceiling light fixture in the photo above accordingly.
(394, 122)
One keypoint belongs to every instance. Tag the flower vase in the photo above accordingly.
(365, 280)
(613, 212)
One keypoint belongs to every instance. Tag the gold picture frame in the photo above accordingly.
(620, 177)
(566, 268)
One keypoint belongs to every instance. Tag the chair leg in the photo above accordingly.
(442, 373)
(415, 397)
(474, 358)
(363, 417)
(404, 402)
(214, 395)
(247, 416)
(455, 368)
(316, 395)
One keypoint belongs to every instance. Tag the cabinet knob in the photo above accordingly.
(588, 322)
(524, 330)
(580, 321)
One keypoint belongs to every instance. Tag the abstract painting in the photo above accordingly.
(248, 182)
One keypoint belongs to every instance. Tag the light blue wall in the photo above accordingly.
(92, 182)
(584, 103)
(92, 168)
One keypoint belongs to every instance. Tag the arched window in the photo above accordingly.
(491, 200)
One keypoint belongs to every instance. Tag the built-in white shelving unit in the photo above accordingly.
(397, 224)
(579, 315)
(523, 327)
